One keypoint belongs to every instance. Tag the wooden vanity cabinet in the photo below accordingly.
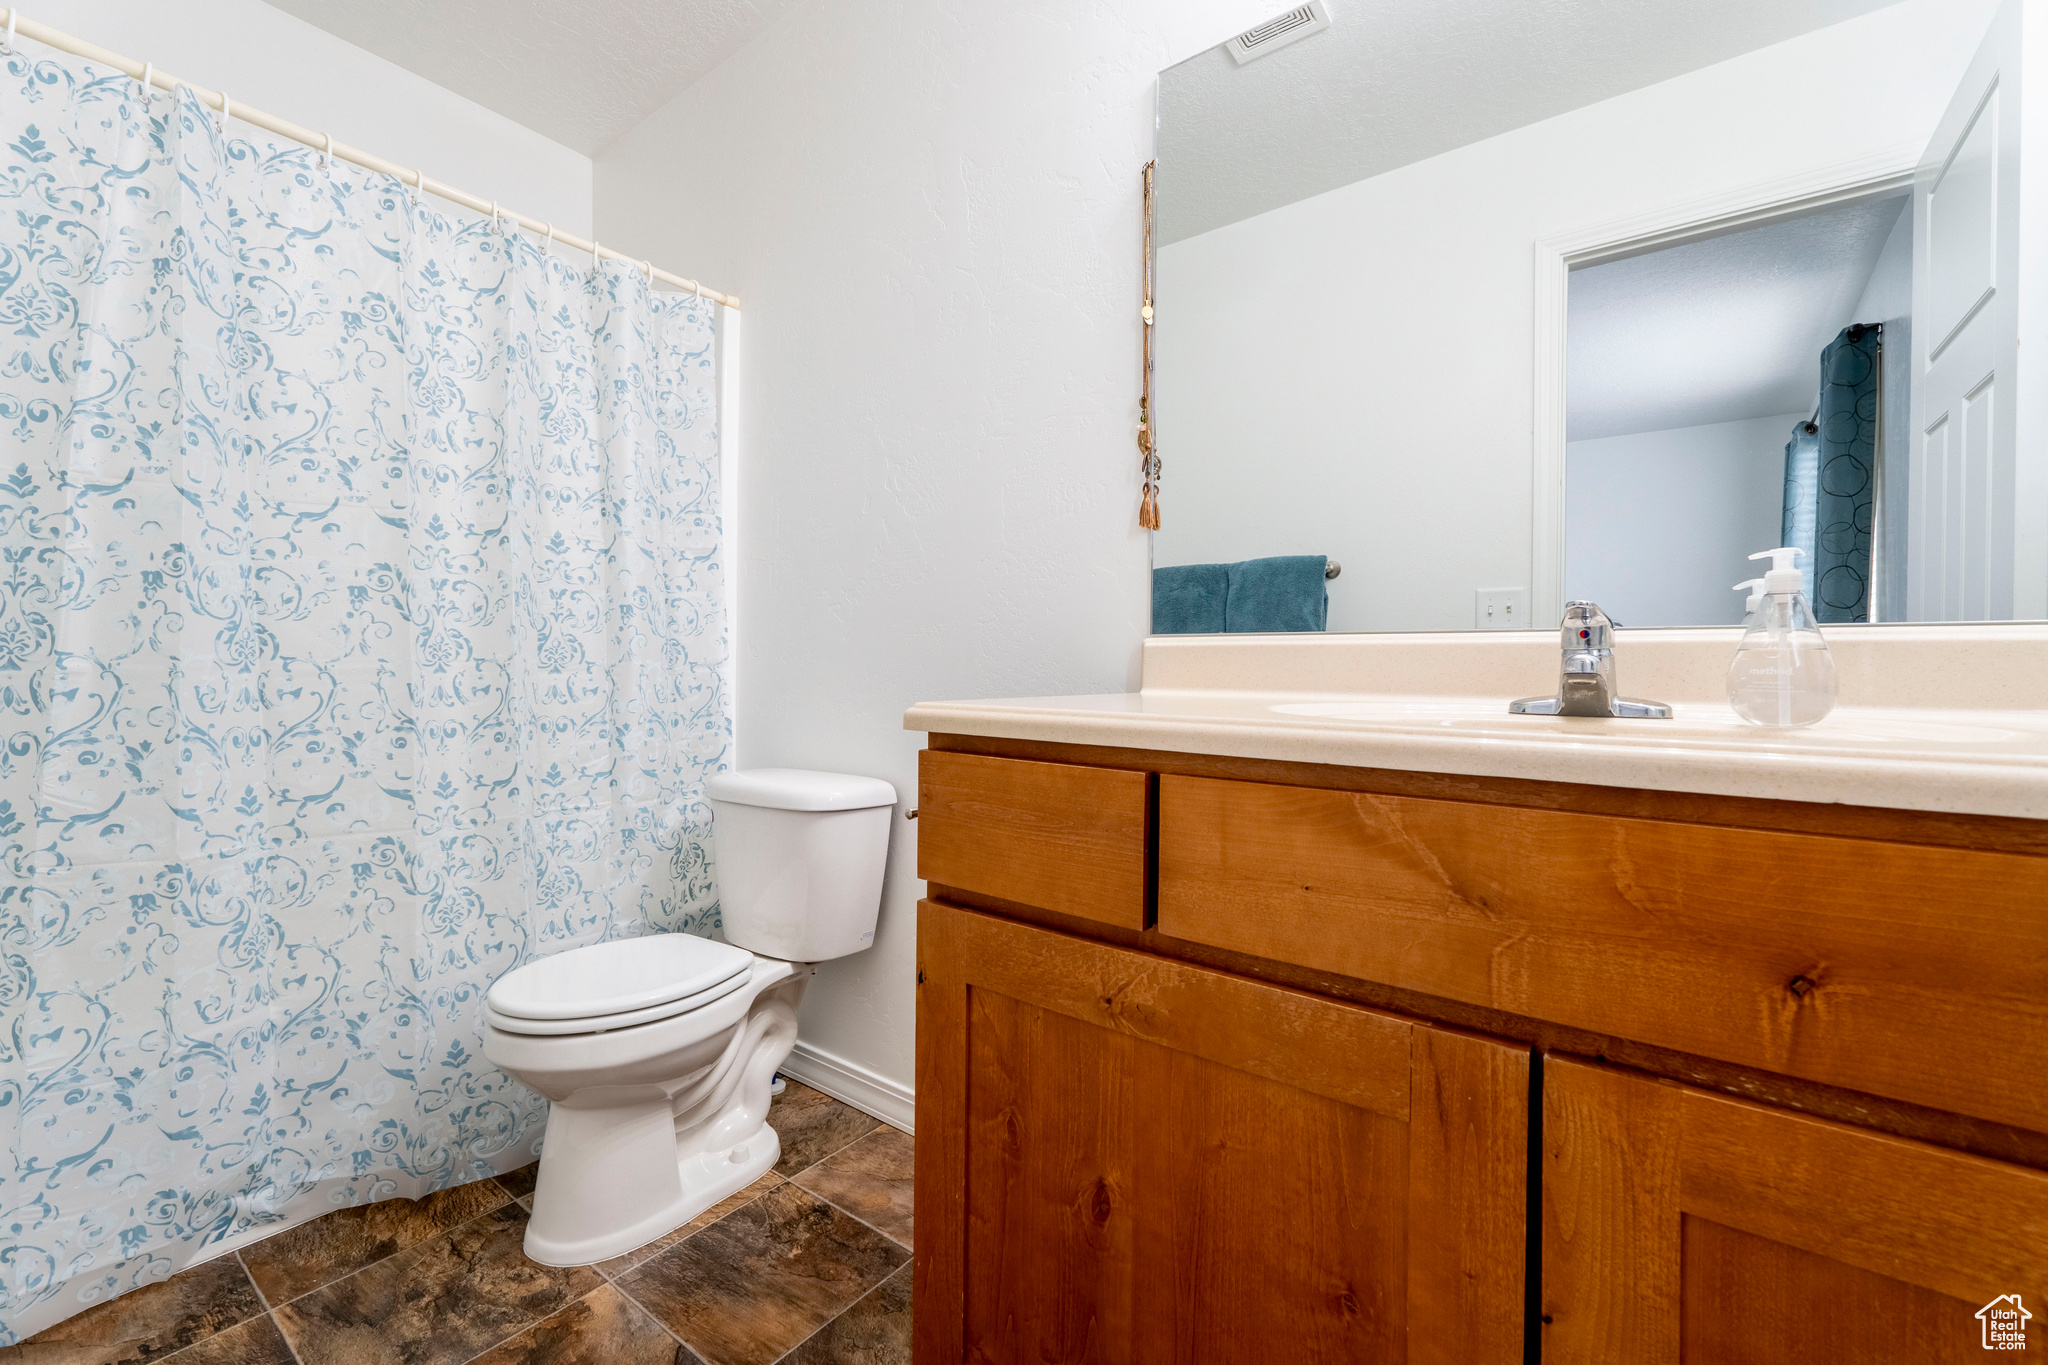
(1684, 1226)
(1123, 1158)
(1160, 1122)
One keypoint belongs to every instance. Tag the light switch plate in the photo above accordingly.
(1502, 609)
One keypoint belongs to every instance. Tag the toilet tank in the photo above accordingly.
(799, 859)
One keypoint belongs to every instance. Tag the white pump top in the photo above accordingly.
(1783, 577)
(1755, 588)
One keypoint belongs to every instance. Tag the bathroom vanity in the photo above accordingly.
(1306, 1006)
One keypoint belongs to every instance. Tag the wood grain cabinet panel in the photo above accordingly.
(1679, 1225)
(1123, 1158)
(1915, 972)
(1060, 836)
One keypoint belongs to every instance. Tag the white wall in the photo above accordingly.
(1351, 375)
(930, 213)
(1659, 523)
(287, 67)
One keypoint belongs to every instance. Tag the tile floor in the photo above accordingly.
(809, 1266)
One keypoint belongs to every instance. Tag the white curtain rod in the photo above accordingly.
(327, 146)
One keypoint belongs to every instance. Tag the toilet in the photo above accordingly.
(657, 1053)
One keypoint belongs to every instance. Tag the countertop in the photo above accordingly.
(1883, 746)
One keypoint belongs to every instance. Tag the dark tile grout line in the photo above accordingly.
(290, 1348)
(271, 1312)
(656, 1319)
(872, 1290)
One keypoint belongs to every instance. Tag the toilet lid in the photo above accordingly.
(623, 977)
(607, 1023)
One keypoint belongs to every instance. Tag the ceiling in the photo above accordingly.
(1394, 81)
(1718, 330)
(580, 73)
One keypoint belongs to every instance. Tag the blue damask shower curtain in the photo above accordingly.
(361, 636)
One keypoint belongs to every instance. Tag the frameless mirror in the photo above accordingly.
(1464, 314)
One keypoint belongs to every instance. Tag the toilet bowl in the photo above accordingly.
(657, 1053)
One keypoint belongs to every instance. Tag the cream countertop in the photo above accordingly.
(1938, 718)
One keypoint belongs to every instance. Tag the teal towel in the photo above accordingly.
(1187, 599)
(1287, 592)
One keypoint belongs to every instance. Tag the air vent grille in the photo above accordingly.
(1296, 24)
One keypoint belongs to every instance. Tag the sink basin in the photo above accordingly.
(1865, 727)
(1398, 708)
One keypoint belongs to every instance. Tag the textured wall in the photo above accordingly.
(287, 67)
(930, 212)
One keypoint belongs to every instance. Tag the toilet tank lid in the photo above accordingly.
(799, 789)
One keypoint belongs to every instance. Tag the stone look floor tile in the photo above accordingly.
(758, 1282)
(870, 1180)
(813, 1126)
(619, 1265)
(152, 1322)
(601, 1328)
(303, 1258)
(875, 1331)
(438, 1280)
(255, 1342)
(519, 1183)
(438, 1303)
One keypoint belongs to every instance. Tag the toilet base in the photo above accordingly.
(638, 1145)
(704, 1178)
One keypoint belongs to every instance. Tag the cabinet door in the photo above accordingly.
(1685, 1226)
(1123, 1158)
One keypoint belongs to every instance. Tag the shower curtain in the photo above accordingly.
(361, 637)
(1831, 477)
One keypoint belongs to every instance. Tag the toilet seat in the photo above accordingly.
(605, 986)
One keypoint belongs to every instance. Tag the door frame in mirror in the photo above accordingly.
(1883, 173)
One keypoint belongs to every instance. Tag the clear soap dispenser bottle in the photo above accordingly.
(1782, 674)
(1755, 588)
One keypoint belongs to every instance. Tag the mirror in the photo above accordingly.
(1480, 312)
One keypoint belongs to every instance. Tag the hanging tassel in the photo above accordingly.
(1148, 466)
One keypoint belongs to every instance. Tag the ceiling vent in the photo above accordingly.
(1275, 34)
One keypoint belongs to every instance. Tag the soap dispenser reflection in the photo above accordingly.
(1782, 675)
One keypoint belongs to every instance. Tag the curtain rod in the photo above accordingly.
(326, 145)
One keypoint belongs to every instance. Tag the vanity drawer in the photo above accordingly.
(1059, 836)
(1915, 972)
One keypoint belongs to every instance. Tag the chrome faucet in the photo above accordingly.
(1585, 686)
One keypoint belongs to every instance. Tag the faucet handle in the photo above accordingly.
(1585, 627)
(1586, 685)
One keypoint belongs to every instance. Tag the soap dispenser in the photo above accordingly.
(1755, 588)
(1782, 674)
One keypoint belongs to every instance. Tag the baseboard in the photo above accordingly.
(854, 1084)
